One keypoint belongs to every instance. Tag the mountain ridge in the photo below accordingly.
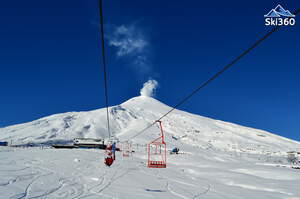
(133, 115)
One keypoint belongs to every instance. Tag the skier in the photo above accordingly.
(108, 161)
(175, 150)
(113, 149)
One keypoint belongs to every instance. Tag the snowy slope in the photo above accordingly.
(197, 174)
(135, 114)
(218, 160)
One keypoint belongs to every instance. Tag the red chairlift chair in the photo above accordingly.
(108, 155)
(126, 149)
(157, 151)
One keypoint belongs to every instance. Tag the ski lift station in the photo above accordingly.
(89, 142)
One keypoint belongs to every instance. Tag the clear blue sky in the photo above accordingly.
(49, 59)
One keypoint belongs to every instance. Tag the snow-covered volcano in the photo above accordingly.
(217, 159)
(132, 116)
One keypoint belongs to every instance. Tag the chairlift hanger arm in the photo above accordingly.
(104, 65)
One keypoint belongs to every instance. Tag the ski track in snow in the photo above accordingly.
(172, 182)
(197, 196)
(113, 178)
(176, 181)
(175, 193)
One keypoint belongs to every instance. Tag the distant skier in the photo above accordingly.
(175, 150)
(113, 149)
(108, 161)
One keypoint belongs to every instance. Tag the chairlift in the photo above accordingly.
(126, 149)
(109, 155)
(157, 151)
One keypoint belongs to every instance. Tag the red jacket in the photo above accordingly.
(108, 161)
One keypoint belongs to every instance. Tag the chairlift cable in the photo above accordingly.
(104, 65)
(229, 65)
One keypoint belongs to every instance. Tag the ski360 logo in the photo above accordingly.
(279, 17)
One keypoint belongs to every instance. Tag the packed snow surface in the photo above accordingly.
(217, 159)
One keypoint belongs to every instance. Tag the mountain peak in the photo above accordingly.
(145, 102)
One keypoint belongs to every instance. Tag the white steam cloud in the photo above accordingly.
(149, 88)
(128, 41)
(131, 44)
